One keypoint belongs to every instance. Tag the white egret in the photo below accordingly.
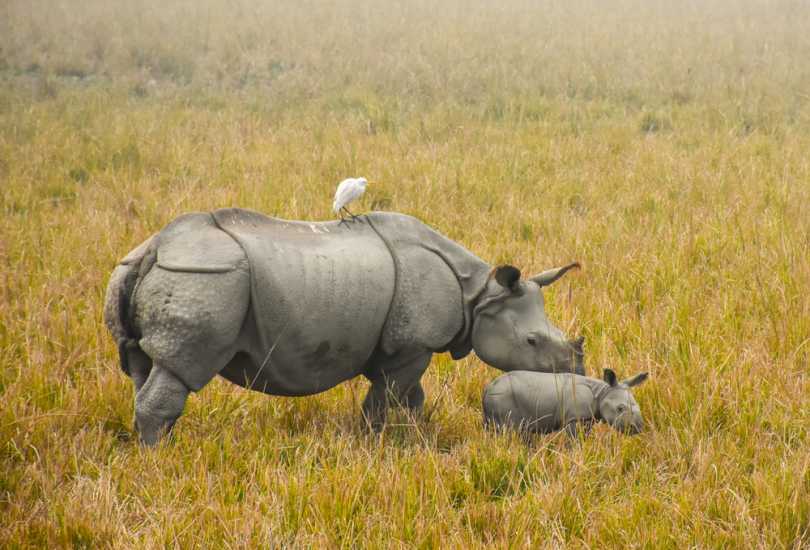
(348, 190)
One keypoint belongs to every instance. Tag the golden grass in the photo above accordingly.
(664, 147)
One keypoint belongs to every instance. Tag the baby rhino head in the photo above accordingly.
(616, 403)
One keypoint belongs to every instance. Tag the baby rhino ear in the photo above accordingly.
(636, 380)
(609, 377)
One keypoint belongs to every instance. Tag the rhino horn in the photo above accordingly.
(550, 275)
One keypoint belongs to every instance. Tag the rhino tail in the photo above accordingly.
(123, 345)
(132, 334)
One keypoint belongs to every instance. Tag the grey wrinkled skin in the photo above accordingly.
(540, 402)
(294, 308)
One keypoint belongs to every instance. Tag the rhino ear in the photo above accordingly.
(577, 343)
(507, 276)
(636, 380)
(610, 377)
(550, 275)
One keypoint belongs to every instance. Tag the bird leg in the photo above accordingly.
(349, 213)
(342, 219)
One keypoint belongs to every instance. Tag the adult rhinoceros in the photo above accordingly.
(294, 308)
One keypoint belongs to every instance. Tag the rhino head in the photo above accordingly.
(616, 403)
(511, 331)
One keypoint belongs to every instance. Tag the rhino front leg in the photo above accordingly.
(415, 398)
(159, 404)
(395, 382)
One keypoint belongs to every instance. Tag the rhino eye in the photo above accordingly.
(531, 339)
(621, 408)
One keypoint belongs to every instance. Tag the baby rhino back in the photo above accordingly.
(537, 401)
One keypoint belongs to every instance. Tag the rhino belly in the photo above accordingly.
(319, 303)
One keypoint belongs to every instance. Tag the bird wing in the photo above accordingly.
(355, 192)
(341, 194)
(347, 191)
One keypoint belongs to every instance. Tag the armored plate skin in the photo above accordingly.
(319, 295)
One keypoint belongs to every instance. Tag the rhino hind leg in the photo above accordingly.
(159, 404)
(190, 325)
(394, 381)
(191, 321)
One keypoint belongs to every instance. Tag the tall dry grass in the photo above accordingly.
(665, 147)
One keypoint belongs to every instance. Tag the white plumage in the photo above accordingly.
(348, 190)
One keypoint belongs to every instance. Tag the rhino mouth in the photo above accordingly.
(633, 429)
(630, 427)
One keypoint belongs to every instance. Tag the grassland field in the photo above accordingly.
(665, 145)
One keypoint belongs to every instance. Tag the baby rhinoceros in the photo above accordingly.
(538, 402)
